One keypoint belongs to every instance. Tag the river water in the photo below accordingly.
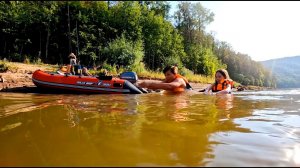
(259, 128)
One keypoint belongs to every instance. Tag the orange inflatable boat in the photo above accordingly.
(84, 84)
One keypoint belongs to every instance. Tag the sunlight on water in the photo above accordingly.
(274, 92)
(244, 129)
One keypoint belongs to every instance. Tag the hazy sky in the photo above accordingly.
(262, 29)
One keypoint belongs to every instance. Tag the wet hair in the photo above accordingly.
(224, 73)
(173, 69)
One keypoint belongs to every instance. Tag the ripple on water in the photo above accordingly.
(243, 129)
(261, 98)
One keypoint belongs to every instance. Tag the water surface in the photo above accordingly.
(245, 129)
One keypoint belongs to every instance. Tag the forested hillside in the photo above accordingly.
(136, 35)
(286, 70)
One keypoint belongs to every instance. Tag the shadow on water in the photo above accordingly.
(22, 90)
(116, 130)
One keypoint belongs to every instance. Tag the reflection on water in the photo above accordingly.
(244, 129)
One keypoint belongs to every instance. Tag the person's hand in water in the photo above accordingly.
(222, 92)
(206, 92)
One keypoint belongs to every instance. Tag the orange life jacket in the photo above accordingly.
(64, 69)
(231, 83)
(179, 76)
(180, 89)
(222, 86)
(69, 68)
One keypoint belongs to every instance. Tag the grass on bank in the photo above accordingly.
(142, 72)
(6, 66)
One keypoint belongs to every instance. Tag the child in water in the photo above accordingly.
(223, 83)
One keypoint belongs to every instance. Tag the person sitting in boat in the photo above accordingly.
(173, 81)
(223, 84)
(73, 60)
(74, 67)
(85, 72)
(62, 70)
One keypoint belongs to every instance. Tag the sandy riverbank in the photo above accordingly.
(20, 76)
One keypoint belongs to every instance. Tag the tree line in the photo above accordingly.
(132, 34)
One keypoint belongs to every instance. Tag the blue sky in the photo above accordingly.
(262, 29)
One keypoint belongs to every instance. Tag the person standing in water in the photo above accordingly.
(223, 84)
(173, 81)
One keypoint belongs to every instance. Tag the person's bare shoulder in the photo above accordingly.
(180, 80)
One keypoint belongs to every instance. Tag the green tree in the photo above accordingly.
(163, 44)
(123, 52)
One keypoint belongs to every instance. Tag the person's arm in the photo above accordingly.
(163, 81)
(159, 85)
(225, 91)
(208, 89)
